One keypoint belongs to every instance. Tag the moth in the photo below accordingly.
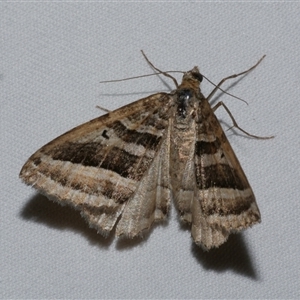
(122, 169)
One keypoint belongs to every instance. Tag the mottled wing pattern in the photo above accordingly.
(114, 169)
(223, 200)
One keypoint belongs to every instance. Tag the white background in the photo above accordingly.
(53, 56)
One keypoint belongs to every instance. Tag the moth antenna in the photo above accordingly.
(140, 76)
(161, 72)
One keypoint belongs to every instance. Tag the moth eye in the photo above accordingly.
(198, 76)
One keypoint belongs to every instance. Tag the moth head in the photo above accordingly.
(192, 78)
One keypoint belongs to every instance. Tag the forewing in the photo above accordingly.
(223, 199)
(98, 167)
(152, 198)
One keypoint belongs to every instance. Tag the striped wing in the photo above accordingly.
(223, 200)
(113, 168)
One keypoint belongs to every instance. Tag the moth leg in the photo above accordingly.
(103, 108)
(235, 123)
(232, 76)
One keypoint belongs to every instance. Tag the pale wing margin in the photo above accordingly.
(96, 169)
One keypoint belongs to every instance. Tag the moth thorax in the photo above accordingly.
(184, 98)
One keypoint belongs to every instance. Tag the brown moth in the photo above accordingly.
(122, 169)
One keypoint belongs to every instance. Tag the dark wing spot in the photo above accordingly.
(104, 134)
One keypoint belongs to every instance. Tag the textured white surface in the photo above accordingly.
(53, 56)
